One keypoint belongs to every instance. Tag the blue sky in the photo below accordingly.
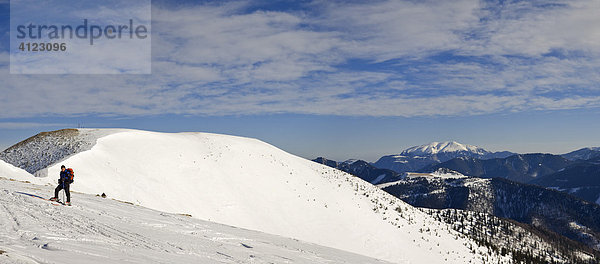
(341, 79)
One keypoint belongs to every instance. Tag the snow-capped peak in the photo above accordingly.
(447, 173)
(442, 147)
(350, 161)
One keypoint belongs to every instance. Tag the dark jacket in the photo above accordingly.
(65, 176)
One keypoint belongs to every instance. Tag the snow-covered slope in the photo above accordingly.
(247, 183)
(13, 172)
(97, 230)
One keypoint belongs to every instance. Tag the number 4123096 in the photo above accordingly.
(28, 46)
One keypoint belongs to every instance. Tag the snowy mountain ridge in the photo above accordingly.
(247, 183)
(583, 154)
(418, 157)
(442, 147)
(47, 148)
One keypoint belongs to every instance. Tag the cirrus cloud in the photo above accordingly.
(382, 58)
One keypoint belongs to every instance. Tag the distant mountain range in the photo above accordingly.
(583, 154)
(520, 167)
(575, 172)
(541, 190)
(418, 157)
(537, 206)
(581, 178)
(363, 170)
(561, 206)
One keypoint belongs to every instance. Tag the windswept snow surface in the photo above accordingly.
(247, 183)
(13, 172)
(97, 230)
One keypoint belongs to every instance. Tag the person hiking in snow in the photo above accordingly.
(63, 184)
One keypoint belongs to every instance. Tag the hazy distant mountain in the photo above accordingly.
(583, 154)
(350, 161)
(362, 169)
(581, 179)
(521, 167)
(418, 157)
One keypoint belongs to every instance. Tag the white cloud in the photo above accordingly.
(533, 28)
(217, 60)
(386, 30)
(244, 47)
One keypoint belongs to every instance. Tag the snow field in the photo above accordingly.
(97, 230)
(249, 184)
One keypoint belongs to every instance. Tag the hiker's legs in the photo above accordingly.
(68, 192)
(58, 188)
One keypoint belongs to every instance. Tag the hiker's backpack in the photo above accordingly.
(70, 175)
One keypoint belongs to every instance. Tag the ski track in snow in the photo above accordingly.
(97, 230)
